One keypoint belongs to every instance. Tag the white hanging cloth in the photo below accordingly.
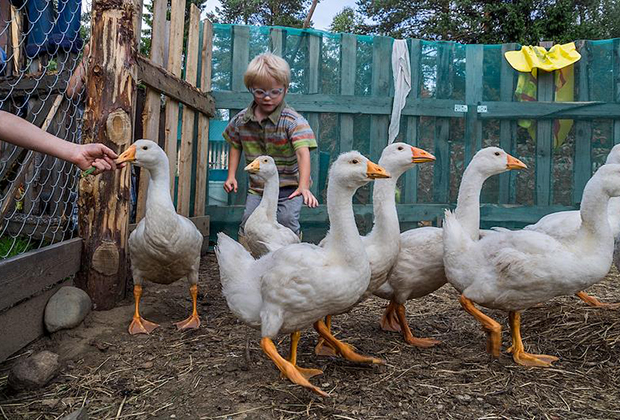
(401, 69)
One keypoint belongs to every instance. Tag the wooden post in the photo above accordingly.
(104, 199)
(202, 150)
(189, 116)
(152, 105)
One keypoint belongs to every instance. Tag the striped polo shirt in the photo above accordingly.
(279, 136)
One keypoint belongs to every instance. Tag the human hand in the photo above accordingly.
(309, 198)
(230, 185)
(95, 155)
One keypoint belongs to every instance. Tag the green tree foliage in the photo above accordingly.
(348, 21)
(478, 21)
(259, 12)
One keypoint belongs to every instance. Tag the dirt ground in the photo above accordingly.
(219, 371)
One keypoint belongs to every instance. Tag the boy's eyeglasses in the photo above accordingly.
(260, 93)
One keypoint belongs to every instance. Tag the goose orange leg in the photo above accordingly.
(140, 325)
(389, 320)
(193, 321)
(324, 348)
(518, 352)
(341, 348)
(492, 327)
(592, 301)
(305, 372)
(286, 367)
(407, 335)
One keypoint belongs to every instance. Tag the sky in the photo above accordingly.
(323, 14)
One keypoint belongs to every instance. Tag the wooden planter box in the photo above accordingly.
(27, 282)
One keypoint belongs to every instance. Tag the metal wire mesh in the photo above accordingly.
(41, 44)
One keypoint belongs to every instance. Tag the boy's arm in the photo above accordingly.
(234, 155)
(20, 132)
(303, 161)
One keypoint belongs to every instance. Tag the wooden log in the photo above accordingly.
(152, 105)
(202, 148)
(175, 53)
(187, 131)
(104, 199)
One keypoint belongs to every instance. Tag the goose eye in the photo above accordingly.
(145, 147)
(400, 147)
(265, 161)
(355, 161)
(496, 153)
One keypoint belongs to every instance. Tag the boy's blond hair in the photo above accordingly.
(267, 65)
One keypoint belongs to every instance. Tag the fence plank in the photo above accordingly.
(473, 96)
(380, 86)
(348, 62)
(276, 41)
(202, 148)
(189, 116)
(616, 78)
(409, 213)
(175, 55)
(240, 61)
(152, 104)
(544, 140)
(33, 271)
(583, 130)
(314, 119)
(409, 193)
(441, 170)
(507, 128)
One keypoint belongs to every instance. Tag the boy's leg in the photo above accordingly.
(251, 202)
(289, 211)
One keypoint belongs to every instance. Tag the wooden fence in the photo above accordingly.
(462, 99)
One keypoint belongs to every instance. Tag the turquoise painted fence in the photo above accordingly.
(463, 98)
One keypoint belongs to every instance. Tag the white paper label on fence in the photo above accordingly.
(460, 108)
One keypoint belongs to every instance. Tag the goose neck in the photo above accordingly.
(384, 207)
(468, 201)
(269, 201)
(343, 230)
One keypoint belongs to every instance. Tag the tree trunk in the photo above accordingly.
(310, 13)
(104, 199)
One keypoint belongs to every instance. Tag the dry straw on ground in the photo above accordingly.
(219, 372)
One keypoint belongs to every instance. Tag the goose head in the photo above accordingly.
(353, 170)
(608, 178)
(493, 160)
(145, 154)
(264, 167)
(398, 157)
(614, 155)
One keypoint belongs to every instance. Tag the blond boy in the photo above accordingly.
(268, 126)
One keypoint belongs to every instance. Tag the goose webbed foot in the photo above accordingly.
(389, 320)
(594, 302)
(343, 349)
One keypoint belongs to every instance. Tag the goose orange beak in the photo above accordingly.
(374, 171)
(421, 156)
(253, 167)
(128, 155)
(514, 163)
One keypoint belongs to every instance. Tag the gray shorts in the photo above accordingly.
(288, 209)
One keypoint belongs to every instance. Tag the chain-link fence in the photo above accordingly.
(41, 47)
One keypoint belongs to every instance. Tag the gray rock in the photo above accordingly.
(67, 308)
(34, 372)
(80, 414)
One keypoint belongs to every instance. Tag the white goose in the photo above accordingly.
(513, 271)
(419, 269)
(293, 287)
(565, 223)
(263, 233)
(382, 243)
(165, 246)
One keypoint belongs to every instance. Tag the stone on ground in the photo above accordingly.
(67, 309)
(34, 372)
